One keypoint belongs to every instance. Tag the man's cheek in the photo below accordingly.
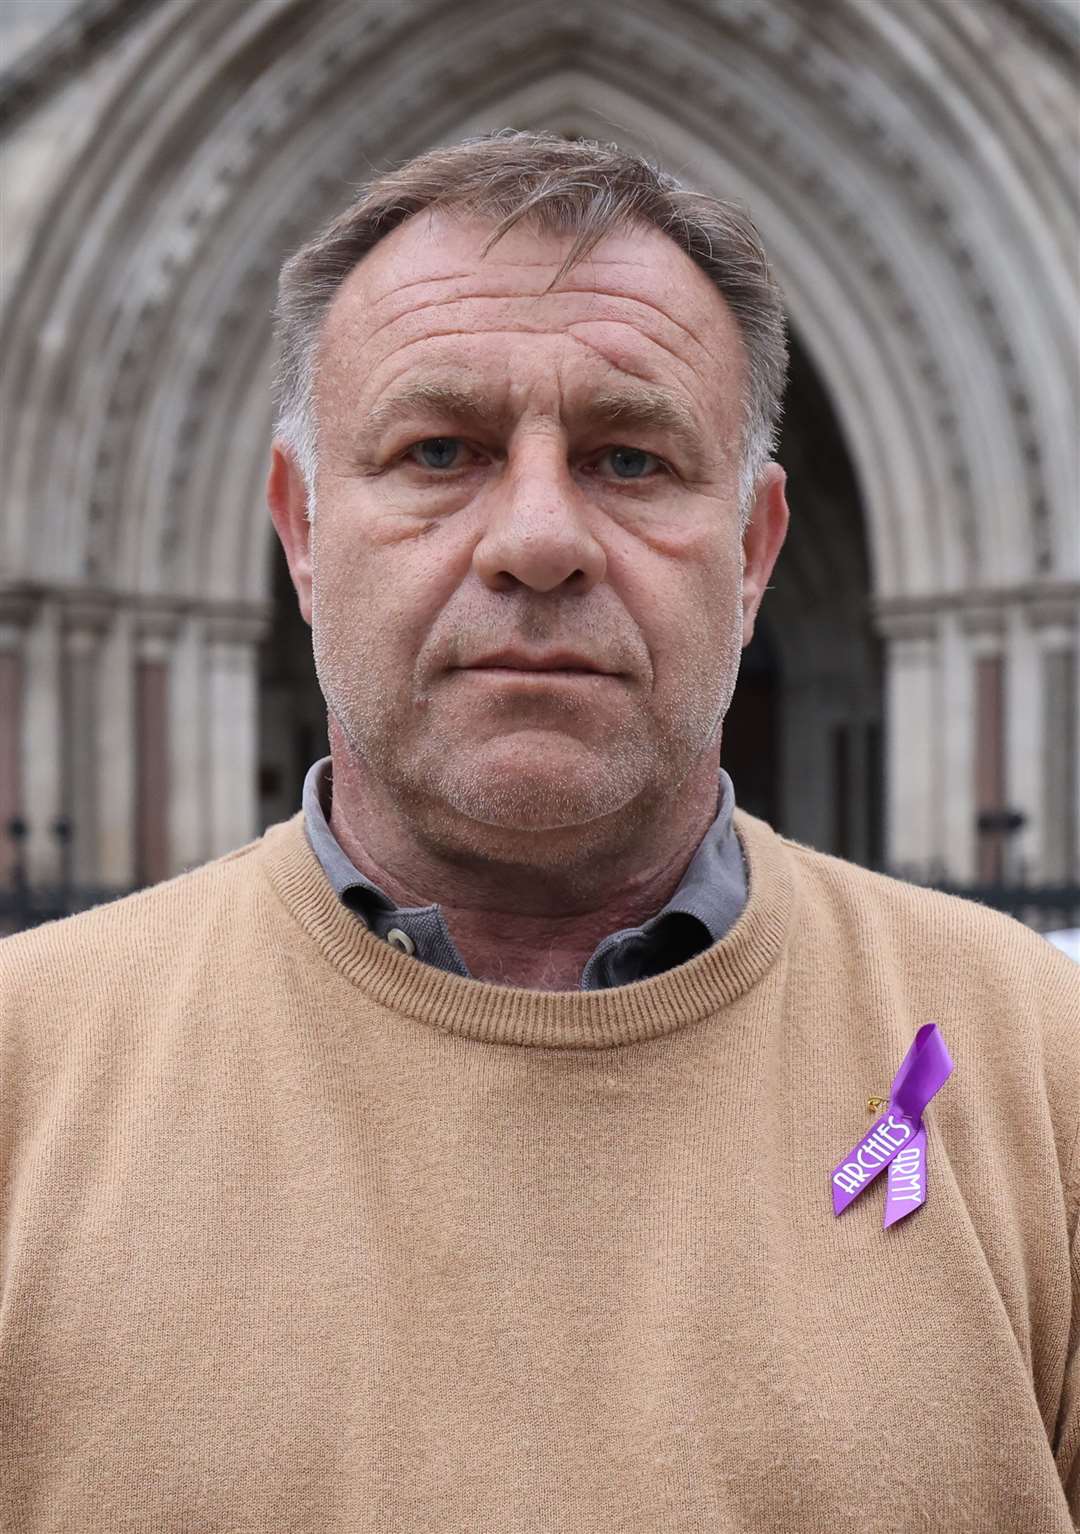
(344, 598)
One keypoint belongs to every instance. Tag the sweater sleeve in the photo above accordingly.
(1068, 1434)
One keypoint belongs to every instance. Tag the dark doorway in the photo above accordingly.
(802, 737)
(750, 744)
(292, 714)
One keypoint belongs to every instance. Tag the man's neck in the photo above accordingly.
(516, 918)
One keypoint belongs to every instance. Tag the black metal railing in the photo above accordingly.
(1046, 907)
(24, 904)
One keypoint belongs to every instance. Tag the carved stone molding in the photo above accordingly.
(985, 626)
(1053, 24)
(88, 607)
(66, 48)
(16, 608)
(1057, 610)
(1040, 603)
(87, 616)
(909, 628)
(236, 628)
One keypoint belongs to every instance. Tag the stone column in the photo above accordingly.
(1056, 629)
(232, 720)
(115, 741)
(912, 743)
(84, 625)
(14, 614)
(990, 782)
(956, 723)
(189, 819)
(1025, 742)
(152, 778)
(42, 743)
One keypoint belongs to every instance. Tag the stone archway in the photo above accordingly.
(910, 182)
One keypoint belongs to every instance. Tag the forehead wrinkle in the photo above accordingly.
(435, 394)
(509, 266)
(633, 298)
(472, 404)
(416, 282)
(645, 404)
(569, 331)
(624, 365)
(444, 300)
(441, 335)
(437, 303)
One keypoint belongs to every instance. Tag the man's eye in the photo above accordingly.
(629, 462)
(438, 453)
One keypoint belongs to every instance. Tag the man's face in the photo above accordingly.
(507, 474)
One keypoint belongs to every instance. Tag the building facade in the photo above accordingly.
(912, 168)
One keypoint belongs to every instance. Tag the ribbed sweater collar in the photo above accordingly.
(499, 1014)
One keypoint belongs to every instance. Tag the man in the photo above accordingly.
(460, 1155)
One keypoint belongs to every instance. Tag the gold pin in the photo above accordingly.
(876, 1105)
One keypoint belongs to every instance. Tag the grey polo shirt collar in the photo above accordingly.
(707, 903)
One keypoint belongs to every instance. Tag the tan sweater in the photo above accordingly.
(300, 1234)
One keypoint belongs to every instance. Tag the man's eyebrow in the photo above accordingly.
(434, 396)
(644, 406)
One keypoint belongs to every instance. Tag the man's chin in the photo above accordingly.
(532, 804)
(492, 797)
(518, 792)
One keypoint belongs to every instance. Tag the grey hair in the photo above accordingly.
(561, 186)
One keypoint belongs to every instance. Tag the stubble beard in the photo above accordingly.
(462, 805)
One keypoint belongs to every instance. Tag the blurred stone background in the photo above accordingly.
(913, 698)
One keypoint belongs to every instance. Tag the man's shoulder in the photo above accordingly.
(928, 920)
(984, 975)
(156, 971)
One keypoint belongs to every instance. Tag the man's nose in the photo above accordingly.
(537, 532)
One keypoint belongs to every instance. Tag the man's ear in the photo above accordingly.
(762, 541)
(287, 498)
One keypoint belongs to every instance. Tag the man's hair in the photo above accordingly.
(561, 187)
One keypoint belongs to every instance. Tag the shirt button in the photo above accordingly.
(398, 939)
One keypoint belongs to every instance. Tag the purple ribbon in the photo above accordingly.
(898, 1139)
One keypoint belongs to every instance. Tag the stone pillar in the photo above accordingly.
(957, 750)
(82, 764)
(14, 613)
(990, 790)
(1026, 742)
(232, 708)
(152, 751)
(986, 630)
(1056, 628)
(42, 743)
(912, 741)
(115, 740)
(1060, 849)
(189, 819)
